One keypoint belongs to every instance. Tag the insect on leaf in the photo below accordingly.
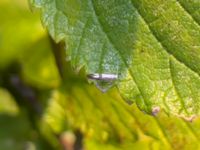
(153, 47)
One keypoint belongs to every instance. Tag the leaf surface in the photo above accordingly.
(152, 46)
(106, 122)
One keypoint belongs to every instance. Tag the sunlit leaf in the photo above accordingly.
(106, 122)
(152, 47)
(7, 103)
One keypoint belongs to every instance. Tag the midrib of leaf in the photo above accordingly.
(188, 12)
(81, 39)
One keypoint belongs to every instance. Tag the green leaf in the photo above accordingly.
(18, 133)
(153, 47)
(43, 74)
(15, 132)
(24, 38)
(106, 122)
(18, 30)
(7, 103)
(16, 129)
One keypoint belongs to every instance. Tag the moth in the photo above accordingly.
(103, 77)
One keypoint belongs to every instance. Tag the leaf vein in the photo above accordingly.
(175, 88)
(123, 59)
(160, 42)
(185, 9)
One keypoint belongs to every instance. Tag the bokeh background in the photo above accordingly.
(44, 105)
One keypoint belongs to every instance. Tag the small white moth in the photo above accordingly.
(104, 77)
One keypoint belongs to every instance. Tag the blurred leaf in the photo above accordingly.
(108, 123)
(152, 48)
(19, 29)
(7, 103)
(23, 38)
(39, 68)
(17, 130)
(15, 133)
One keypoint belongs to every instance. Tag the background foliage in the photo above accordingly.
(44, 105)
